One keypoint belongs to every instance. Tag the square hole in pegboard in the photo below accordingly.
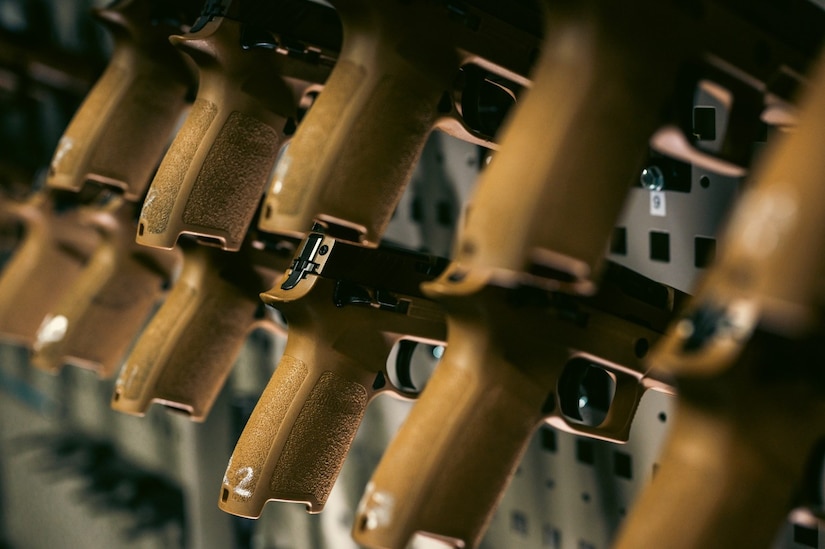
(805, 535)
(622, 465)
(585, 452)
(549, 440)
(704, 251)
(704, 123)
(763, 133)
(660, 246)
(618, 241)
(550, 537)
(519, 523)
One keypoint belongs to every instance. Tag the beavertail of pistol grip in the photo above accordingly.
(187, 350)
(100, 315)
(123, 126)
(211, 180)
(54, 251)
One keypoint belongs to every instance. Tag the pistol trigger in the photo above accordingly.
(303, 264)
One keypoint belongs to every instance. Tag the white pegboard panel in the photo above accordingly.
(431, 208)
(571, 492)
(668, 234)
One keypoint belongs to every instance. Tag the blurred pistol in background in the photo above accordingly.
(404, 70)
(108, 303)
(748, 358)
(111, 147)
(530, 338)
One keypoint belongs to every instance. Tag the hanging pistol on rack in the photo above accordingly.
(208, 188)
(111, 146)
(529, 330)
(394, 82)
(747, 356)
(347, 306)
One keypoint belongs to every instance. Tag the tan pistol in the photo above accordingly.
(94, 323)
(208, 188)
(211, 181)
(523, 333)
(185, 353)
(53, 251)
(346, 306)
(747, 357)
(123, 126)
(111, 146)
(396, 79)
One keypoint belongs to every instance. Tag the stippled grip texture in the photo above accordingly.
(211, 180)
(447, 467)
(311, 140)
(157, 209)
(238, 162)
(118, 135)
(226, 189)
(184, 355)
(297, 438)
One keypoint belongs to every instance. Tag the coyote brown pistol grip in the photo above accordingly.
(54, 250)
(211, 180)
(187, 350)
(119, 133)
(351, 158)
(513, 355)
(99, 316)
(748, 356)
(340, 335)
